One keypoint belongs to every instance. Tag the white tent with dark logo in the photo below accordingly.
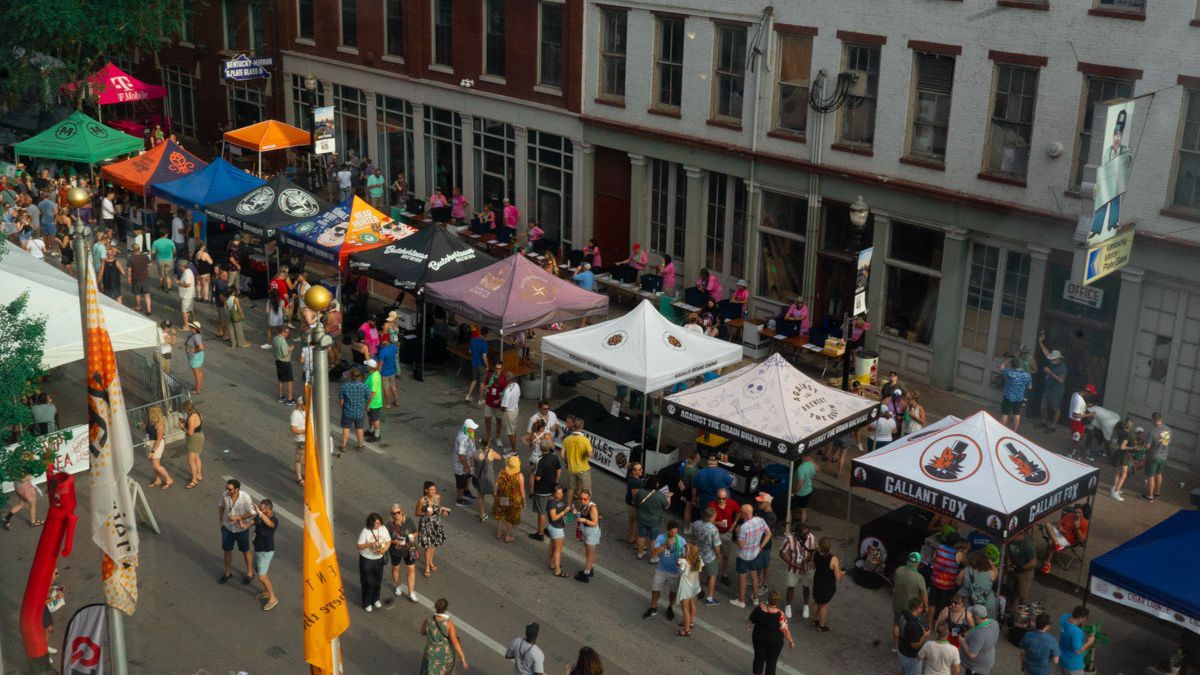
(978, 472)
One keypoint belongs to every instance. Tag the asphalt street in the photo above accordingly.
(186, 623)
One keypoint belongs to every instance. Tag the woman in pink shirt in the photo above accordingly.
(637, 259)
(370, 336)
(458, 205)
(535, 232)
(668, 275)
(511, 215)
(488, 217)
(593, 250)
(741, 296)
(709, 283)
(437, 200)
(798, 312)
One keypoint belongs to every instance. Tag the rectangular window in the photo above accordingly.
(443, 29)
(181, 100)
(550, 167)
(933, 83)
(304, 20)
(551, 44)
(349, 19)
(858, 115)
(1095, 90)
(443, 149)
(914, 264)
(1011, 130)
(350, 118)
(725, 227)
(782, 229)
(1187, 170)
(668, 209)
(303, 102)
(186, 23)
(229, 16)
(247, 103)
(1133, 6)
(495, 161)
(257, 29)
(612, 52)
(791, 96)
(395, 28)
(494, 48)
(394, 129)
(995, 272)
(729, 72)
(668, 63)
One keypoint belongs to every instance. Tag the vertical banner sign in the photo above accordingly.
(862, 273)
(323, 129)
(83, 645)
(325, 612)
(1108, 242)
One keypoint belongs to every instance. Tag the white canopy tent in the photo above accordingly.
(55, 295)
(642, 350)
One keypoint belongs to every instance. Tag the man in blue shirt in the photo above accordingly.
(1039, 649)
(668, 548)
(478, 347)
(710, 479)
(1017, 383)
(47, 210)
(584, 277)
(353, 399)
(389, 370)
(1073, 643)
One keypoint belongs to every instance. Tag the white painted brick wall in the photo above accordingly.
(1163, 46)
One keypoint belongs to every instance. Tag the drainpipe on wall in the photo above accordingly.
(754, 245)
(812, 227)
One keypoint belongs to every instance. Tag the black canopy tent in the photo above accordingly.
(267, 207)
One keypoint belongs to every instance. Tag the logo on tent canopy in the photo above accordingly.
(674, 342)
(257, 201)
(814, 403)
(670, 408)
(614, 340)
(536, 291)
(951, 458)
(97, 130)
(754, 388)
(180, 164)
(993, 521)
(298, 203)
(67, 130)
(1021, 461)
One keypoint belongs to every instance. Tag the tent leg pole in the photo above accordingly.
(849, 501)
(544, 397)
(642, 440)
(658, 439)
(1000, 579)
(791, 478)
(419, 370)
(1083, 553)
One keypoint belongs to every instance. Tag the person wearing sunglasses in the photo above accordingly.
(403, 551)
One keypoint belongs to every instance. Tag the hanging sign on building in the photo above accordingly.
(862, 274)
(1091, 296)
(1110, 238)
(241, 68)
(323, 141)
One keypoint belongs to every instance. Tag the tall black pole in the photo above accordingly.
(419, 366)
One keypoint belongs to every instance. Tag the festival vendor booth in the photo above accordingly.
(216, 182)
(642, 350)
(268, 207)
(80, 139)
(266, 136)
(1155, 572)
(977, 472)
(114, 87)
(771, 407)
(162, 164)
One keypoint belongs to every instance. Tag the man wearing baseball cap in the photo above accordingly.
(764, 510)
(375, 403)
(283, 363)
(464, 453)
(908, 583)
(1079, 418)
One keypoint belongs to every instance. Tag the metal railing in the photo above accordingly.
(171, 408)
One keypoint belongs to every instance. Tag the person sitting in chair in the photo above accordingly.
(1072, 530)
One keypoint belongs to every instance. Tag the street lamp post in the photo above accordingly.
(310, 86)
(858, 222)
(79, 197)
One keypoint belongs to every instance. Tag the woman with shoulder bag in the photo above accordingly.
(403, 551)
(588, 532)
(441, 642)
(237, 319)
(914, 414)
(509, 500)
(156, 440)
(430, 532)
(193, 428)
(485, 474)
(374, 541)
(976, 580)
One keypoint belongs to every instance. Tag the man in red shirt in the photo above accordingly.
(1072, 530)
(280, 283)
(727, 513)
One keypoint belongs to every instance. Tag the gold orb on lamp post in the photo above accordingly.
(78, 197)
(318, 298)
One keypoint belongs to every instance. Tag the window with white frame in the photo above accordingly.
(186, 22)
(725, 226)
(303, 102)
(493, 52)
(858, 114)
(914, 275)
(933, 82)
(729, 72)
(247, 103)
(551, 165)
(668, 209)
(350, 120)
(1131, 6)
(1187, 164)
(443, 149)
(550, 39)
(443, 30)
(394, 25)
(782, 230)
(791, 95)
(394, 129)
(304, 20)
(613, 30)
(495, 161)
(668, 62)
(258, 40)
(1095, 90)
(229, 20)
(181, 100)
(991, 327)
(349, 23)
(1011, 130)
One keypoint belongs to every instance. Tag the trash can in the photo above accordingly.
(531, 387)
(866, 363)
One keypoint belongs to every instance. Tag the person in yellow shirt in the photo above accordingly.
(577, 449)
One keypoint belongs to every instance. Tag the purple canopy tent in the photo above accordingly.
(513, 295)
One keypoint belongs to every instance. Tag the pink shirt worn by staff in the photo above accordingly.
(511, 216)
(459, 208)
(437, 200)
(668, 275)
(638, 260)
(535, 233)
(370, 337)
(594, 251)
(800, 314)
(713, 287)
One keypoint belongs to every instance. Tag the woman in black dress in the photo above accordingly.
(770, 631)
(825, 578)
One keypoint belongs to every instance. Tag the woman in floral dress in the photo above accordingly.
(430, 533)
(441, 642)
(510, 498)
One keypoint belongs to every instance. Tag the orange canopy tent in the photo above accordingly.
(165, 162)
(268, 135)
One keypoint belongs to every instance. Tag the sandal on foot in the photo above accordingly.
(561, 574)
(167, 486)
(426, 573)
(36, 523)
(190, 485)
(683, 633)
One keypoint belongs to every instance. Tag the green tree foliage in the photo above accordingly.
(64, 41)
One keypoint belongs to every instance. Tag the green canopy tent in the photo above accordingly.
(81, 139)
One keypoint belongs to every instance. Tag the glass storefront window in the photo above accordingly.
(911, 306)
(784, 213)
(495, 161)
(551, 160)
(781, 274)
(394, 125)
(443, 148)
(917, 245)
(350, 106)
(837, 235)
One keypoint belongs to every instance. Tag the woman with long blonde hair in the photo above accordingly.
(156, 431)
(689, 587)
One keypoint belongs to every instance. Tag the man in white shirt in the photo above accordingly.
(938, 656)
(882, 430)
(108, 212)
(297, 422)
(187, 290)
(237, 513)
(527, 657)
(1079, 417)
(179, 232)
(464, 453)
(345, 182)
(545, 414)
(510, 399)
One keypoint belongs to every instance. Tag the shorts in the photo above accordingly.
(1077, 430)
(185, 303)
(228, 539)
(745, 566)
(554, 532)
(508, 422)
(478, 373)
(373, 414)
(300, 452)
(165, 267)
(262, 562)
(581, 480)
(591, 535)
(1154, 467)
(1008, 407)
(283, 371)
(647, 532)
(763, 560)
(492, 413)
(800, 501)
(355, 423)
(461, 481)
(664, 581)
(795, 579)
(388, 380)
(139, 287)
(1052, 398)
(539, 504)
(196, 360)
(402, 557)
(941, 597)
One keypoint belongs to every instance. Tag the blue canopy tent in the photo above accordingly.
(1155, 572)
(216, 182)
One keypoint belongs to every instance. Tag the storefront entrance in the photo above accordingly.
(993, 316)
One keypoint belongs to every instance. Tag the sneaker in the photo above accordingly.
(290, 401)
(281, 400)
(467, 398)
(670, 614)
(725, 580)
(399, 591)
(582, 576)
(266, 346)
(641, 555)
(537, 537)
(378, 604)
(711, 602)
(805, 612)
(738, 603)
(412, 597)
(369, 609)
(653, 560)
(1117, 496)
(1046, 568)
(51, 650)
(469, 495)
(271, 605)
(650, 612)
(787, 611)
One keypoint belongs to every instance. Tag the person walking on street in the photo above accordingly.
(389, 370)
(708, 539)
(156, 441)
(430, 532)
(510, 400)
(1054, 387)
(403, 552)
(237, 319)
(1017, 383)
(668, 549)
(1039, 651)
(139, 279)
(526, 656)
(480, 365)
(577, 450)
(265, 525)
(826, 573)
(727, 511)
(27, 495)
(546, 479)
(509, 500)
(282, 350)
(352, 398)
(374, 542)
(164, 258)
(1156, 457)
(483, 473)
(588, 513)
(762, 563)
(186, 280)
(492, 389)
(298, 421)
(193, 346)
(1079, 419)
(979, 643)
(635, 482)
(556, 509)
(374, 383)
(689, 587)
(752, 535)
(237, 512)
(802, 486)
(911, 633)
(770, 631)
(652, 506)
(464, 454)
(193, 429)
(441, 642)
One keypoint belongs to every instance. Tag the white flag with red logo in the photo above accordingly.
(113, 525)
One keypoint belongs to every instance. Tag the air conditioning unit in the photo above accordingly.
(856, 83)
